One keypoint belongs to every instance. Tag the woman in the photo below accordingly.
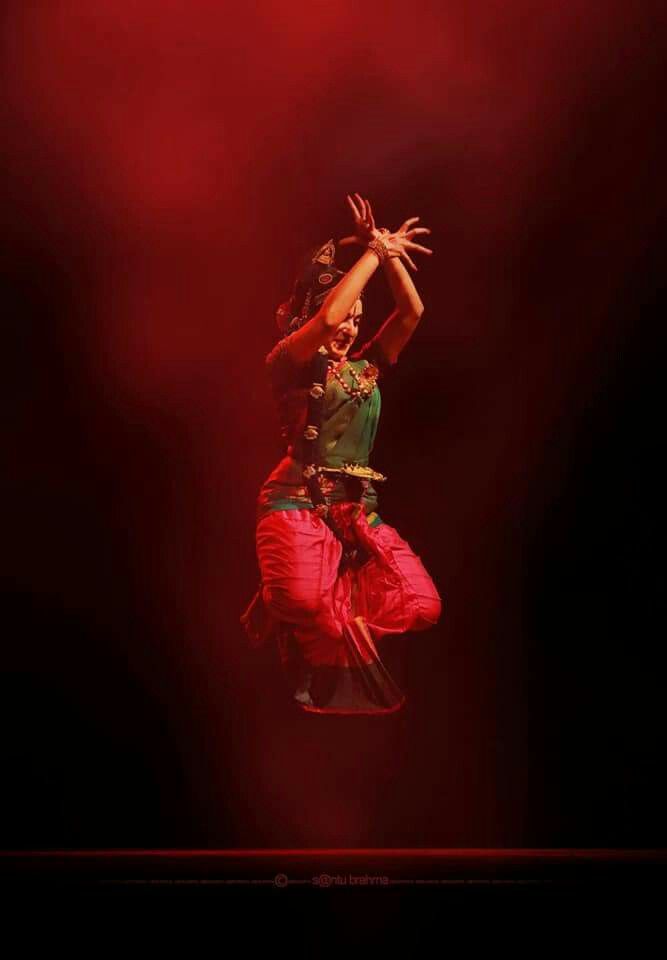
(334, 576)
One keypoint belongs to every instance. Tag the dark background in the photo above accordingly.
(167, 164)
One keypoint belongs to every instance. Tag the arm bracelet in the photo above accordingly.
(379, 247)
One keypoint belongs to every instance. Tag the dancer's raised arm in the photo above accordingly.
(307, 340)
(402, 322)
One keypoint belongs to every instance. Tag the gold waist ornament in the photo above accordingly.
(354, 470)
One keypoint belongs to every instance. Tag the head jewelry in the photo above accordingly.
(316, 279)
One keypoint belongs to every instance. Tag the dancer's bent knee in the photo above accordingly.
(429, 612)
(291, 602)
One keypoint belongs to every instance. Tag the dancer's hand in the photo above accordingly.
(364, 222)
(399, 243)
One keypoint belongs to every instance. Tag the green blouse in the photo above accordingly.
(347, 433)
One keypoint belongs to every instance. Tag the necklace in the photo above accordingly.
(364, 383)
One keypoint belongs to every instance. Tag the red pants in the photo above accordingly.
(299, 558)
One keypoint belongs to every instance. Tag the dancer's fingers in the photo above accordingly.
(418, 246)
(355, 212)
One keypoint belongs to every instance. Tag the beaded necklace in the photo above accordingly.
(364, 383)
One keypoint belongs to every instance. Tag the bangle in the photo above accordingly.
(379, 248)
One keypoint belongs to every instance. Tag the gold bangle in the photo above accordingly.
(379, 248)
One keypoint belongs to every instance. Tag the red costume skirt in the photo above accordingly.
(327, 597)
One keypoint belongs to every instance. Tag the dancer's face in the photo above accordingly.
(342, 338)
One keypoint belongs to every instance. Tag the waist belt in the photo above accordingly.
(354, 479)
(355, 471)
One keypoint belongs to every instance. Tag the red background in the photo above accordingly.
(168, 164)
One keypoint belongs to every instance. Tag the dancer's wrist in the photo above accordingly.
(379, 248)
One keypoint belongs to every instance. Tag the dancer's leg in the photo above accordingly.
(328, 650)
(395, 592)
(298, 558)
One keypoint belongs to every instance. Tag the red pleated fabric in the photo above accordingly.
(327, 607)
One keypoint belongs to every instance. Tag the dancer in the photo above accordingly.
(334, 576)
